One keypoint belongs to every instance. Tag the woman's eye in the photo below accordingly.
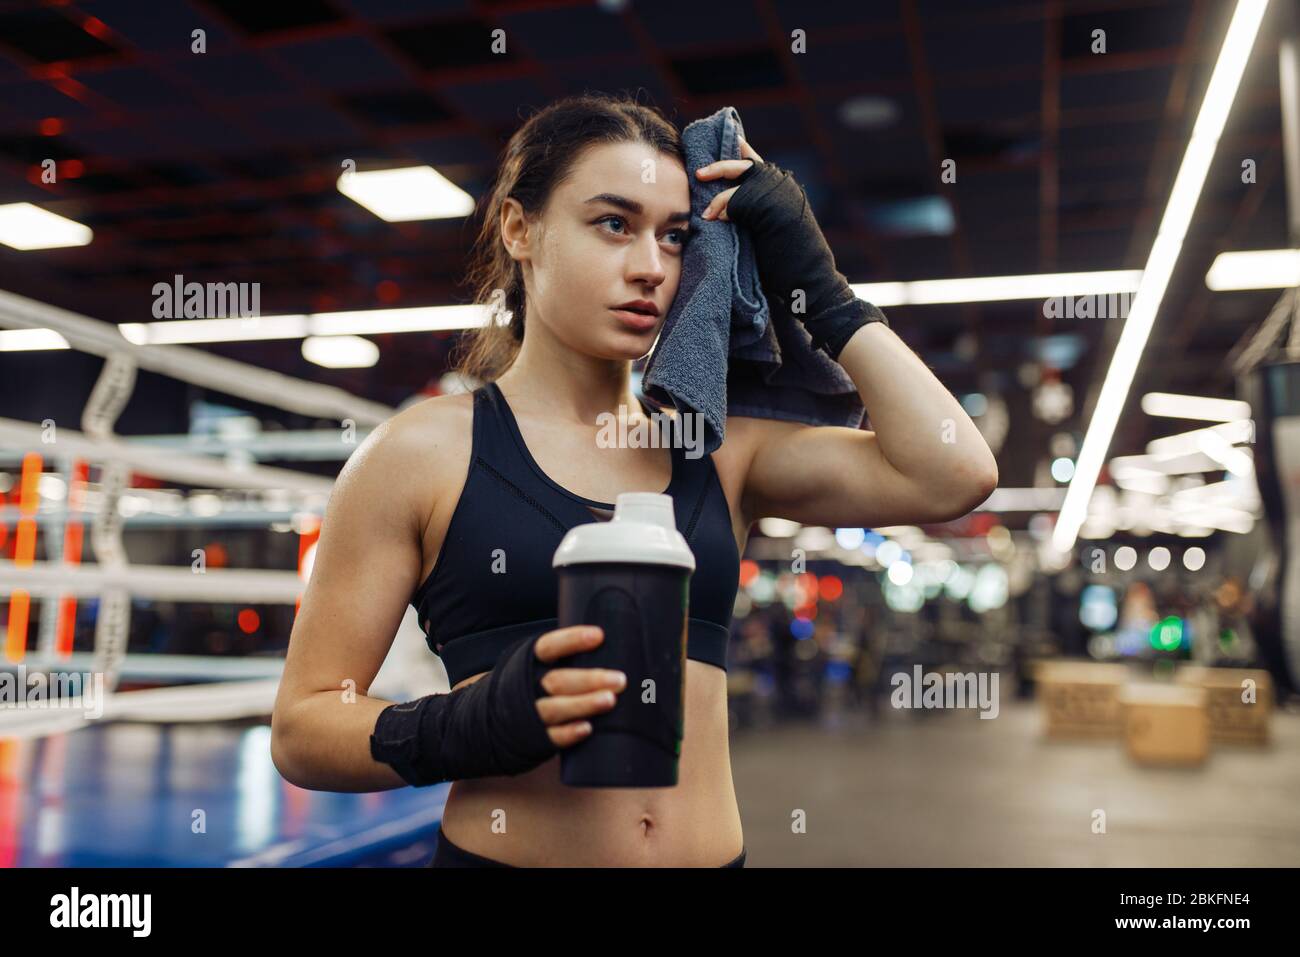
(682, 234)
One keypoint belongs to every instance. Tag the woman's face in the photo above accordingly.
(613, 232)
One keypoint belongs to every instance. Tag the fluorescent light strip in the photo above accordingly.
(1233, 432)
(25, 340)
(1255, 269)
(1187, 463)
(370, 322)
(998, 288)
(1234, 460)
(450, 318)
(1160, 263)
(1227, 519)
(1194, 407)
(178, 331)
(1135, 480)
(365, 322)
(1241, 495)
(1022, 500)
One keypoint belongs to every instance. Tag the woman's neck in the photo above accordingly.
(579, 390)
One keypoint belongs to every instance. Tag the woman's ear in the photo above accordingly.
(514, 229)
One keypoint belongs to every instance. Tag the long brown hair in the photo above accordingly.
(540, 154)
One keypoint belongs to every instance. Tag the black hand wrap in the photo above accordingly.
(792, 254)
(485, 729)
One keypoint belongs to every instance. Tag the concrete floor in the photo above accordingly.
(948, 789)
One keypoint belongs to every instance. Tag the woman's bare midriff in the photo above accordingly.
(533, 819)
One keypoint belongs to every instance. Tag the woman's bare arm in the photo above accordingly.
(368, 560)
(925, 461)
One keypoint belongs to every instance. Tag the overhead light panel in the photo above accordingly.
(24, 226)
(403, 195)
(340, 352)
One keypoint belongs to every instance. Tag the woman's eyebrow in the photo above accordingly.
(632, 206)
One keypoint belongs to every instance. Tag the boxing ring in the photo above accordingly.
(179, 773)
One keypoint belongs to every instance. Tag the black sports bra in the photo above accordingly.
(511, 518)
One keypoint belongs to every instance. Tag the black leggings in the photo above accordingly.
(448, 854)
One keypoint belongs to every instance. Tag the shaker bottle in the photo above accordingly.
(631, 577)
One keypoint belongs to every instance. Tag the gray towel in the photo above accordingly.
(721, 350)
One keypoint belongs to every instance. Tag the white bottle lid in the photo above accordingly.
(643, 530)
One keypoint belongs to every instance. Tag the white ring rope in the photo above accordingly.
(200, 470)
(194, 365)
(156, 582)
(113, 580)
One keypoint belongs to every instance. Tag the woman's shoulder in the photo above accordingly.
(420, 446)
(432, 416)
(434, 432)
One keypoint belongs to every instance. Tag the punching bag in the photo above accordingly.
(1273, 390)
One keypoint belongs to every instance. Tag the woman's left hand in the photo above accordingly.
(795, 264)
(730, 169)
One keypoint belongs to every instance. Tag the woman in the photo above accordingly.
(461, 500)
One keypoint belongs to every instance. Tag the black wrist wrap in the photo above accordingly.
(485, 729)
(792, 254)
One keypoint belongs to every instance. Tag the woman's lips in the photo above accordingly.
(636, 321)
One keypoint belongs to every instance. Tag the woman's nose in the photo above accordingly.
(645, 261)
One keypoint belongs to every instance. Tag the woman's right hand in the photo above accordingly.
(574, 693)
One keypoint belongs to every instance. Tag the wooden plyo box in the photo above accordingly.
(1080, 699)
(1232, 720)
(1166, 724)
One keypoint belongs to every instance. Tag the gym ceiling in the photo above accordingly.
(221, 166)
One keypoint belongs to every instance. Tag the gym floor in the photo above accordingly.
(901, 789)
(950, 789)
